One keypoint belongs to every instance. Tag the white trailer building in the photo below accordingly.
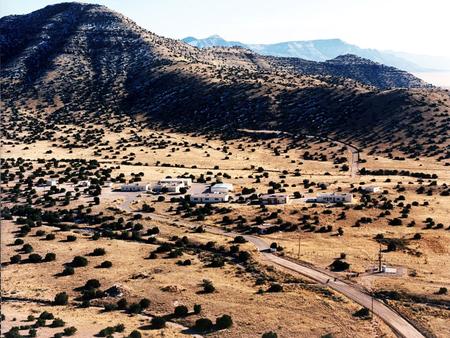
(52, 182)
(209, 198)
(168, 187)
(334, 198)
(85, 183)
(185, 182)
(134, 187)
(222, 188)
(371, 189)
(274, 199)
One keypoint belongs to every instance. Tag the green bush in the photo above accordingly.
(224, 322)
(181, 311)
(70, 331)
(269, 334)
(135, 334)
(197, 308)
(158, 322)
(61, 299)
(57, 322)
(275, 288)
(203, 325)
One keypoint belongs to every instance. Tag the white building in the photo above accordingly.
(85, 183)
(168, 187)
(134, 187)
(209, 198)
(371, 189)
(51, 182)
(222, 188)
(274, 199)
(334, 198)
(185, 182)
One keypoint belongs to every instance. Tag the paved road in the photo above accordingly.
(400, 325)
(397, 323)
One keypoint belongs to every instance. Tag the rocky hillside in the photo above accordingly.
(74, 62)
(357, 68)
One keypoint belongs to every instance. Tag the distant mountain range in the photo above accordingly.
(322, 50)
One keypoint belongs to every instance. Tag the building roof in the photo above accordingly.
(273, 195)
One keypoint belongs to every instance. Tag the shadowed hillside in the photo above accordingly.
(72, 62)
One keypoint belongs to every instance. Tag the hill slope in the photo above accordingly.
(68, 60)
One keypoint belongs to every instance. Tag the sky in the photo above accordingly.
(414, 26)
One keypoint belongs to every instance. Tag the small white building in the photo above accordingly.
(52, 182)
(134, 187)
(85, 183)
(371, 189)
(169, 187)
(334, 198)
(209, 198)
(222, 188)
(274, 199)
(185, 182)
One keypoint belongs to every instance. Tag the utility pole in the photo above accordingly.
(299, 246)
(371, 296)
(379, 259)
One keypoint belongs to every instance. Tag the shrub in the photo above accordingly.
(79, 261)
(395, 221)
(49, 257)
(181, 311)
(61, 299)
(269, 334)
(50, 237)
(362, 313)
(35, 258)
(119, 328)
(275, 288)
(135, 308)
(417, 236)
(122, 304)
(158, 322)
(224, 322)
(239, 239)
(57, 322)
(15, 259)
(92, 284)
(203, 324)
(70, 331)
(339, 265)
(71, 238)
(208, 286)
(27, 248)
(46, 315)
(106, 265)
(98, 252)
(197, 308)
(68, 270)
(144, 303)
(18, 241)
(135, 334)
(442, 291)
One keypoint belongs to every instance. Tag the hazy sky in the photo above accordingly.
(416, 26)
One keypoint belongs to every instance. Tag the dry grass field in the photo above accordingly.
(303, 309)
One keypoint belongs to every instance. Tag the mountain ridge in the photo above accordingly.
(79, 63)
(326, 49)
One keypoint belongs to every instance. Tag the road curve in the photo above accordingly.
(394, 320)
(397, 323)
